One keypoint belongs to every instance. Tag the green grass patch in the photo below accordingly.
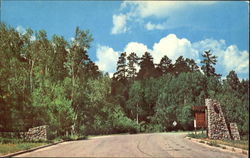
(11, 147)
(17, 141)
(198, 135)
(213, 143)
(242, 144)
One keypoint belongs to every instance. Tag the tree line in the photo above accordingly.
(54, 82)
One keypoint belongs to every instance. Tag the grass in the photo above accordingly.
(14, 147)
(198, 135)
(213, 143)
(10, 145)
(242, 144)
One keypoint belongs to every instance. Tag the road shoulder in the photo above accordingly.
(221, 147)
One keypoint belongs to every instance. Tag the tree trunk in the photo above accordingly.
(31, 73)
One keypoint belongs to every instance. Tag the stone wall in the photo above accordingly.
(234, 131)
(36, 133)
(216, 124)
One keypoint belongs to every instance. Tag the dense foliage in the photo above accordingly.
(54, 82)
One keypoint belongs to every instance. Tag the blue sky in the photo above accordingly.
(162, 27)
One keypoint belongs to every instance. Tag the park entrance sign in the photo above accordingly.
(199, 116)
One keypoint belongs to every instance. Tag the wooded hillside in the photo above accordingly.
(54, 82)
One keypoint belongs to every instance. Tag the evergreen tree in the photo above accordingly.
(147, 68)
(132, 62)
(233, 80)
(180, 66)
(193, 67)
(121, 70)
(208, 62)
(165, 65)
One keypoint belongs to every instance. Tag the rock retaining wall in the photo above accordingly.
(234, 131)
(36, 133)
(216, 125)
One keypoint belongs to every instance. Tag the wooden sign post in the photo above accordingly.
(195, 126)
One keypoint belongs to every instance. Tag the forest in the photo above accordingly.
(52, 81)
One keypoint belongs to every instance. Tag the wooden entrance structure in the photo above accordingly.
(200, 116)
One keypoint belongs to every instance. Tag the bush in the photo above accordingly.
(10, 140)
(154, 128)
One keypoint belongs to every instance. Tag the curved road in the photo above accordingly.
(138, 145)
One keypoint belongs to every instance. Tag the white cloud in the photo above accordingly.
(106, 58)
(229, 57)
(33, 38)
(72, 39)
(173, 47)
(237, 60)
(119, 24)
(159, 9)
(21, 30)
(150, 26)
(139, 11)
(137, 48)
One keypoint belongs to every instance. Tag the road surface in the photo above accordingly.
(137, 145)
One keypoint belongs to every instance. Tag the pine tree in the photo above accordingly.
(181, 66)
(208, 61)
(132, 62)
(192, 65)
(120, 73)
(233, 80)
(147, 68)
(165, 65)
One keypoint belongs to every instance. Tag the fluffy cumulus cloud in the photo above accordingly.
(106, 58)
(237, 60)
(119, 24)
(229, 57)
(173, 47)
(138, 48)
(141, 10)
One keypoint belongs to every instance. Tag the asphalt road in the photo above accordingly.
(137, 145)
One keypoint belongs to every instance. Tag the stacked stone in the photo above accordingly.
(36, 133)
(234, 131)
(217, 128)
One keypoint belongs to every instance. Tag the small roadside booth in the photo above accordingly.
(200, 117)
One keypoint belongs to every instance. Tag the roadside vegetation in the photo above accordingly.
(11, 145)
(51, 81)
(242, 144)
